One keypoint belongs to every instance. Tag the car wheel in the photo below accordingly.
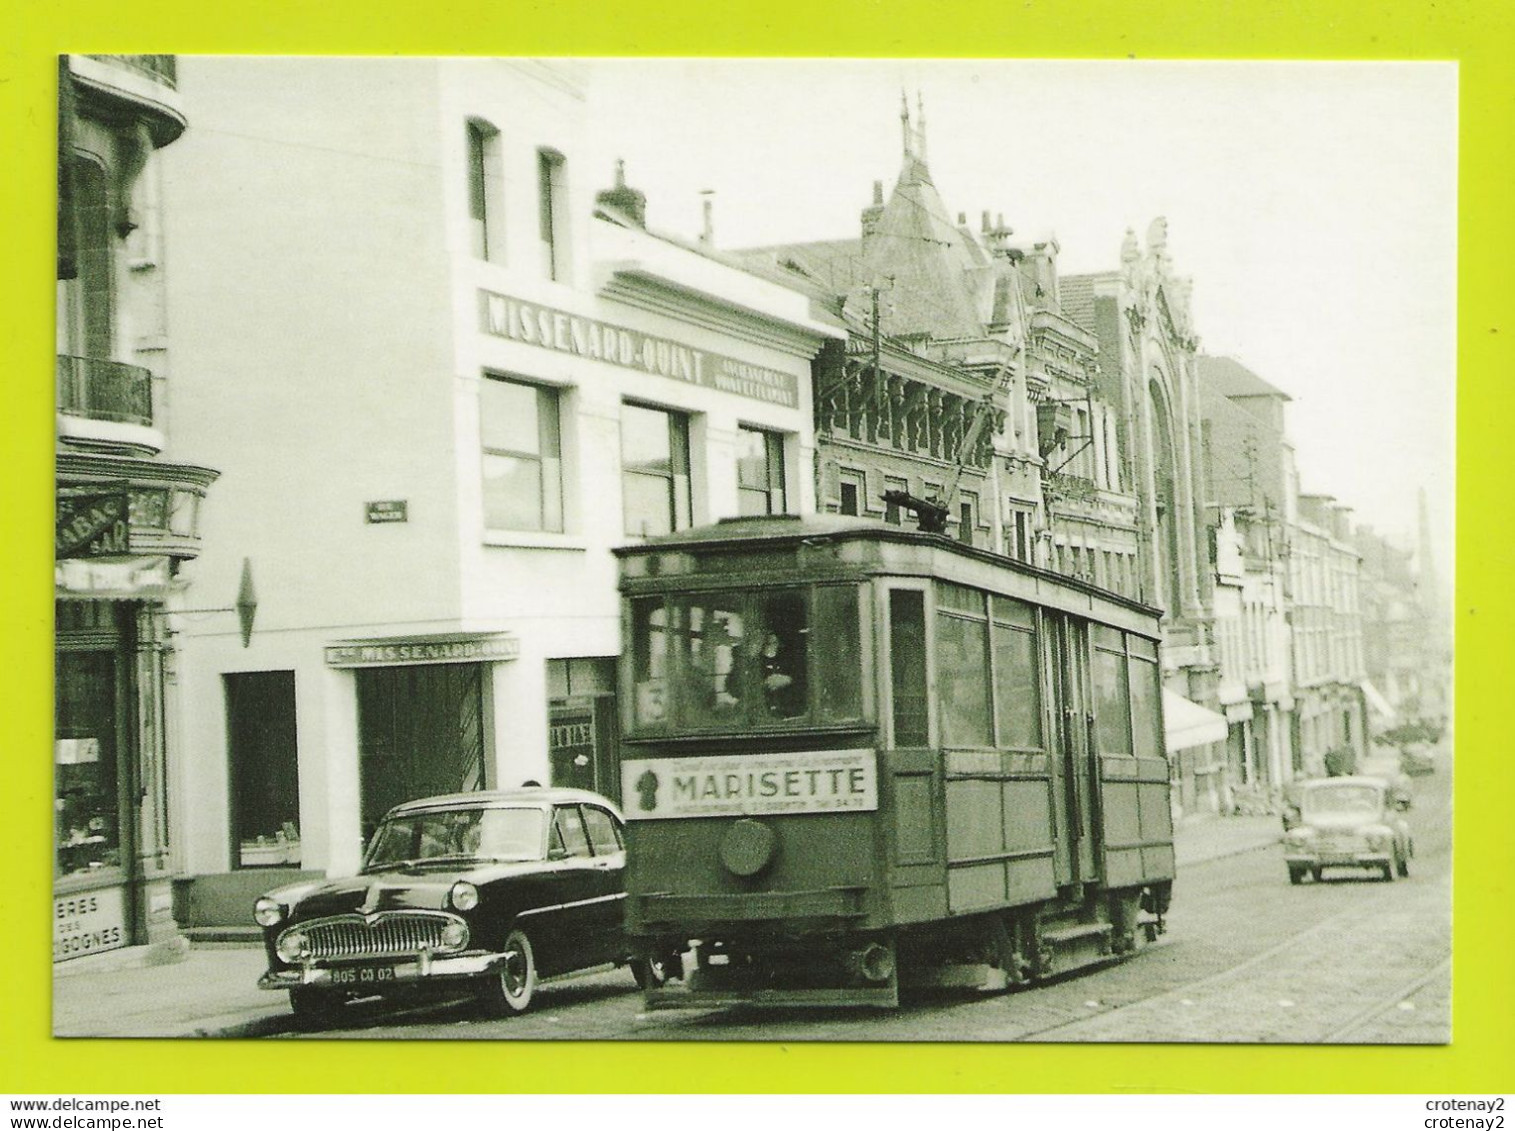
(514, 982)
(311, 1004)
(1388, 873)
(1296, 874)
(1315, 874)
(1402, 865)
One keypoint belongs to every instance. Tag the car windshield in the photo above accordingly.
(458, 836)
(1343, 798)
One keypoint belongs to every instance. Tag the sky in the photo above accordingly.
(1312, 204)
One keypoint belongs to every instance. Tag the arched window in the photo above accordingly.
(486, 206)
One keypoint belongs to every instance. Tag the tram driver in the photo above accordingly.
(783, 667)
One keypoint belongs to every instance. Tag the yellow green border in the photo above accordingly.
(1479, 36)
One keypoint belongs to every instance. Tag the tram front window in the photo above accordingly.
(712, 660)
(748, 659)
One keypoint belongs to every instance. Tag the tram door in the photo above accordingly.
(1066, 646)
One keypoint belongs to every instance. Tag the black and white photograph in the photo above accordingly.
(785, 550)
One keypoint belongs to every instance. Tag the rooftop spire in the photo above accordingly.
(920, 124)
(909, 141)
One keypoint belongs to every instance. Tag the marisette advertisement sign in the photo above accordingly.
(819, 781)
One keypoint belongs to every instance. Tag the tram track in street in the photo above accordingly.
(1386, 1004)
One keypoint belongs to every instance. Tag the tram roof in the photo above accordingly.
(781, 529)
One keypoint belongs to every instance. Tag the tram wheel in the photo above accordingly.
(655, 971)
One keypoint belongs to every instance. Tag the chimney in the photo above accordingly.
(707, 232)
(874, 211)
(625, 200)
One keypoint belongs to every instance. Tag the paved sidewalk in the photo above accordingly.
(213, 991)
(1208, 837)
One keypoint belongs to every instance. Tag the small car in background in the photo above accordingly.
(1386, 766)
(1348, 822)
(1418, 758)
(491, 890)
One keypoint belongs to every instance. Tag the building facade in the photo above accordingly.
(1148, 377)
(1330, 709)
(443, 378)
(1254, 490)
(963, 383)
(128, 513)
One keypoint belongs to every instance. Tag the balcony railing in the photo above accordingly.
(160, 69)
(1073, 488)
(105, 390)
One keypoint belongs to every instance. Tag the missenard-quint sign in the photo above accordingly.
(422, 650)
(557, 330)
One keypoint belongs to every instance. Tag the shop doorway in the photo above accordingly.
(582, 725)
(420, 733)
(264, 770)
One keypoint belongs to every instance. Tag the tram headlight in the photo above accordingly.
(464, 896)
(292, 946)
(267, 912)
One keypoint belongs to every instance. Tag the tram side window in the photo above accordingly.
(1017, 684)
(839, 660)
(962, 659)
(907, 666)
(649, 660)
(1112, 691)
(1146, 689)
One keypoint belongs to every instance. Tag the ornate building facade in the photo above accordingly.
(1147, 375)
(128, 516)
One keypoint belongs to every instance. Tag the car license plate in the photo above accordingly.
(362, 975)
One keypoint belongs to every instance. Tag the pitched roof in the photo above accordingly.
(1230, 378)
(938, 270)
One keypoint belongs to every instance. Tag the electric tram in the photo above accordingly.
(856, 756)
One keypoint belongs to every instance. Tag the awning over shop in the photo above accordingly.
(1376, 702)
(147, 578)
(1187, 724)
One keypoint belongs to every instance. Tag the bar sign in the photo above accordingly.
(387, 510)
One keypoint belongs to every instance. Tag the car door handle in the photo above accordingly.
(605, 862)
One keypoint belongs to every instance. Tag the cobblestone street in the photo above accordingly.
(1247, 958)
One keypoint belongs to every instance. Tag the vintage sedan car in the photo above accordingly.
(1348, 822)
(1418, 758)
(492, 889)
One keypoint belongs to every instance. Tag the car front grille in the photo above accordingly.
(391, 934)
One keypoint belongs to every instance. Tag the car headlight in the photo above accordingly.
(291, 947)
(455, 936)
(1378, 842)
(1297, 839)
(268, 912)
(464, 896)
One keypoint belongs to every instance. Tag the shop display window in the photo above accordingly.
(87, 803)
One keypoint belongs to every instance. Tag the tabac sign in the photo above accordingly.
(561, 332)
(96, 525)
(817, 781)
(404, 650)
